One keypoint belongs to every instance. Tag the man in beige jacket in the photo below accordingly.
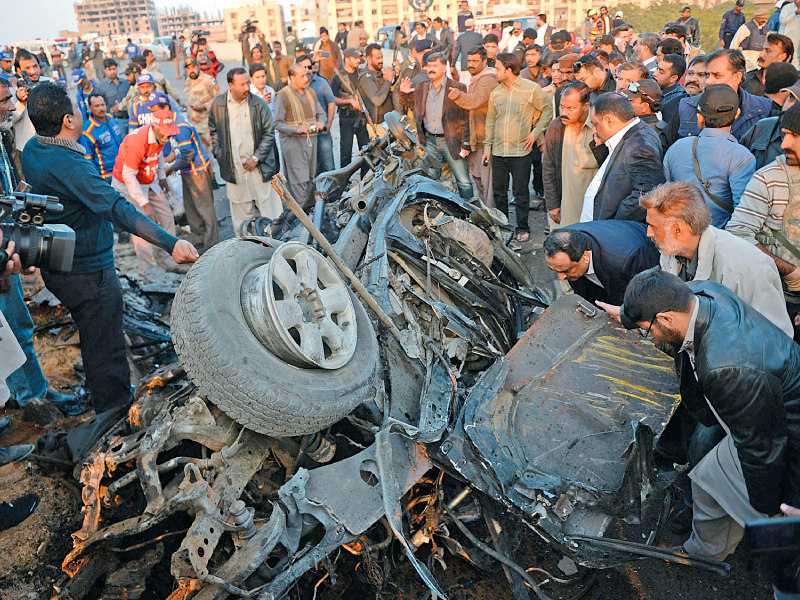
(476, 100)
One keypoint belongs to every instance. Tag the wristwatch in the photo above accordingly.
(254, 157)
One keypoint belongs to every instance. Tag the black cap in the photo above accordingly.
(791, 119)
(779, 75)
(739, 2)
(529, 33)
(133, 68)
(423, 45)
(718, 100)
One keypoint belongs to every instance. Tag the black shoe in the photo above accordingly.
(5, 423)
(680, 521)
(59, 397)
(214, 184)
(12, 453)
(14, 513)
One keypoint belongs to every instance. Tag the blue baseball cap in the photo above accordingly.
(145, 78)
(157, 98)
(5, 55)
(78, 75)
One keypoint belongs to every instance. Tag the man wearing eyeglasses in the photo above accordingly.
(751, 391)
(514, 37)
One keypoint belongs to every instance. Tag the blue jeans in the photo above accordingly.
(324, 153)
(436, 149)
(28, 381)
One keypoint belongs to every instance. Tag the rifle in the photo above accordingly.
(344, 77)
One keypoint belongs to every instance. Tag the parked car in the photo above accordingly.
(160, 47)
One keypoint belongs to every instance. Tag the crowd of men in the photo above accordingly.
(670, 176)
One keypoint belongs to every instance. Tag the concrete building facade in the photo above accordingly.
(268, 14)
(116, 17)
(175, 21)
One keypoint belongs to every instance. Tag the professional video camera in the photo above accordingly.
(50, 247)
(249, 26)
(200, 33)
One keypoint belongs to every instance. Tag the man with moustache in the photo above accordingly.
(568, 164)
(476, 100)
(776, 49)
(695, 80)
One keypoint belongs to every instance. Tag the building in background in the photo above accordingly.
(183, 20)
(115, 17)
(268, 14)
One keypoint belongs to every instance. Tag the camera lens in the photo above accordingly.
(28, 242)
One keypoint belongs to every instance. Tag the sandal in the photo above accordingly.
(523, 236)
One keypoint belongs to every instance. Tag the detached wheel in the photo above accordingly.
(279, 351)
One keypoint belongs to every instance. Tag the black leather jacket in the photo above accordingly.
(749, 371)
(263, 135)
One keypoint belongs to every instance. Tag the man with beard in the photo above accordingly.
(751, 393)
(590, 71)
(777, 49)
(751, 37)
(767, 215)
(679, 223)
(375, 85)
(476, 99)
(764, 138)
(30, 71)
(568, 164)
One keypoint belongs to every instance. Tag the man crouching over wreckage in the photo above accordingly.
(750, 387)
(56, 166)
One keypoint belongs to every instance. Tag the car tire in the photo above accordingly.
(230, 366)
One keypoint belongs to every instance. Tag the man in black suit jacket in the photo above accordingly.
(633, 164)
(600, 258)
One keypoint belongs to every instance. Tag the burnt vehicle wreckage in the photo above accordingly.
(380, 401)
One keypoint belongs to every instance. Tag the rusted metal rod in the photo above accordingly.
(279, 183)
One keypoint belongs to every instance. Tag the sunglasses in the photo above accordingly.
(635, 88)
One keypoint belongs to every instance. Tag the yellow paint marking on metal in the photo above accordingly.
(638, 388)
(606, 347)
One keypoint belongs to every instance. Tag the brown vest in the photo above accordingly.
(299, 110)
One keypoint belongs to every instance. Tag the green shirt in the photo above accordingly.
(513, 114)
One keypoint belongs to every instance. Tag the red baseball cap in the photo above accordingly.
(165, 121)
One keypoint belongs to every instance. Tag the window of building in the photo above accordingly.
(374, 12)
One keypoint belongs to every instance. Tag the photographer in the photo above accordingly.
(259, 53)
(200, 44)
(28, 381)
(30, 75)
(91, 291)
(327, 55)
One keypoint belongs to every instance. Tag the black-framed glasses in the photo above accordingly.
(576, 66)
(634, 87)
(646, 334)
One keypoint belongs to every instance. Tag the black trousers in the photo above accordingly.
(95, 301)
(347, 129)
(519, 169)
(536, 167)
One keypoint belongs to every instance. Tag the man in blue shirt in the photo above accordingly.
(54, 163)
(101, 136)
(114, 91)
(327, 102)
(194, 166)
(132, 49)
(731, 21)
(714, 159)
(139, 113)
(85, 87)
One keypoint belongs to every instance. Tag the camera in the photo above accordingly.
(312, 128)
(249, 25)
(50, 247)
(200, 33)
(324, 54)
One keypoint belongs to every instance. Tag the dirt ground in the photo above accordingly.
(30, 560)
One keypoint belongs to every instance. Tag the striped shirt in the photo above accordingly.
(762, 207)
(512, 114)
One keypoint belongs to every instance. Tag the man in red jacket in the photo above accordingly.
(139, 160)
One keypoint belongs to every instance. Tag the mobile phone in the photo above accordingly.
(325, 54)
(780, 536)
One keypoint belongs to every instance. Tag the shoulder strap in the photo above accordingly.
(785, 242)
(705, 183)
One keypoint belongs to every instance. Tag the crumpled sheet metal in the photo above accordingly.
(570, 414)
